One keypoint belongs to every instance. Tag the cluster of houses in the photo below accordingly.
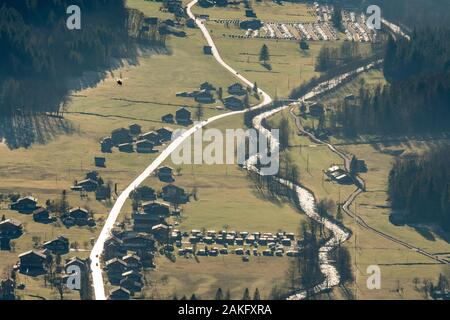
(174, 6)
(93, 183)
(38, 261)
(126, 254)
(35, 263)
(207, 91)
(182, 117)
(204, 95)
(78, 217)
(151, 215)
(128, 251)
(29, 205)
(234, 100)
(132, 139)
(279, 244)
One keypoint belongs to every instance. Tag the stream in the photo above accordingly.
(306, 199)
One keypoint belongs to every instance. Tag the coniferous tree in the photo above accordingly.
(219, 294)
(256, 295)
(337, 17)
(246, 295)
(264, 55)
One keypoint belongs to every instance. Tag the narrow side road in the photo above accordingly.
(360, 189)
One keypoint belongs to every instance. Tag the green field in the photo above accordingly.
(205, 276)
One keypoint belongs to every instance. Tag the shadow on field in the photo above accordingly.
(90, 79)
(22, 131)
(267, 196)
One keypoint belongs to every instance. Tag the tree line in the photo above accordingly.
(417, 97)
(331, 57)
(419, 188)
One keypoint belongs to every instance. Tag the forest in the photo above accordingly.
(38, 53)
(417, 97)
(419, 187)
(333, 57)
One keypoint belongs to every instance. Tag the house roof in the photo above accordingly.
(183, 110)
(204, 93)
(78, 209)
(75, 260)
(230, 98)
(166, 129)
(141, 236)
(149, 133)
(165, 168)
(342, 176)
(87, 181)
(131, 256)
(116, 261)
(131, 272)
(32, 252)
(125, 144)
(237, 84)
(28, 198)
(113, 239)
(60, 238)
(172, 186)
(13, 222)
(155, 204)
(159, 227)
(144, 142)
(118, 130)
(119, 290)
(334, 168)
